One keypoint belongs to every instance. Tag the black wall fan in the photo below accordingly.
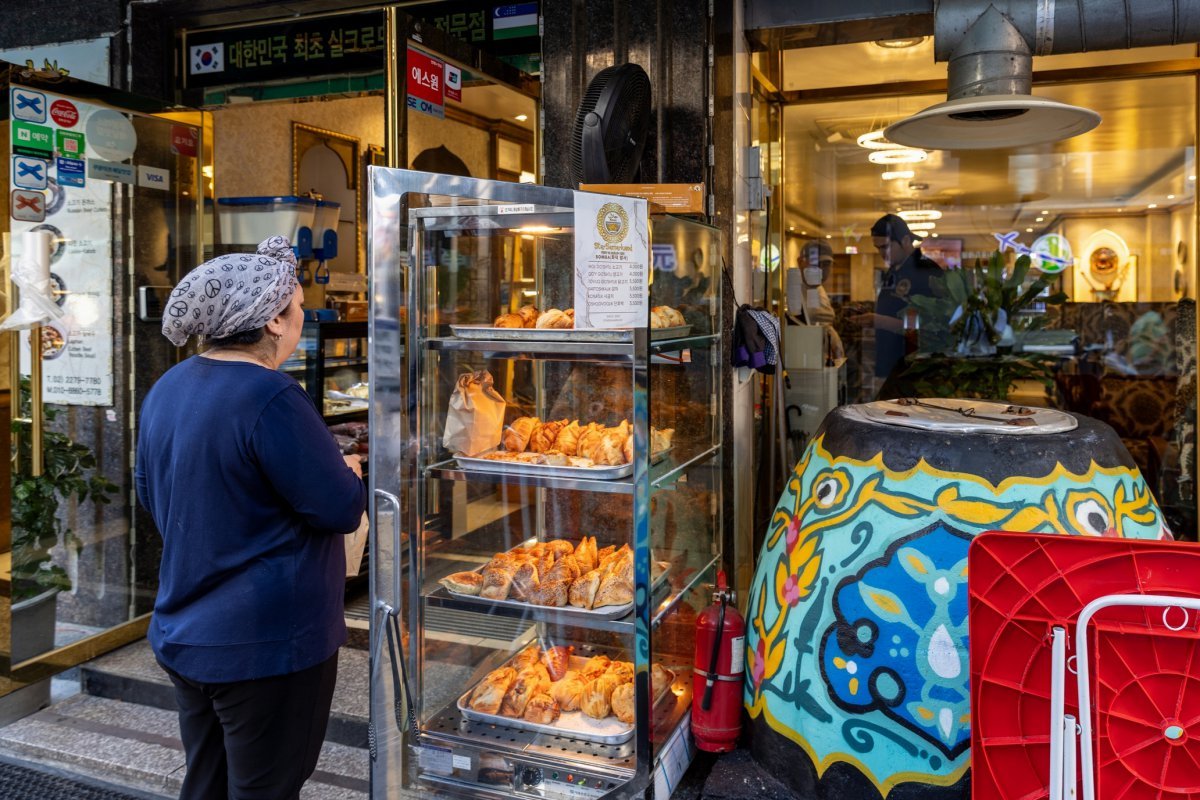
(611, 126)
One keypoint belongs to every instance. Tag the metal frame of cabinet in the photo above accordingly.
(312, 364)
(420, 223)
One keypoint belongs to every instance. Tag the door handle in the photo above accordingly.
(394, 502)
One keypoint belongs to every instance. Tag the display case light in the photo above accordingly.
(898, 174)
(536, 229)
(874, 140)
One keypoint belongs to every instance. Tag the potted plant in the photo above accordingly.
(68, 475)
(976, 312)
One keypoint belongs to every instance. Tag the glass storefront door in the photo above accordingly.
(104, 202)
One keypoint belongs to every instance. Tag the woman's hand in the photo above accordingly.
(354, 463)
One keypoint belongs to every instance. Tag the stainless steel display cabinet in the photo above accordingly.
(448, 255)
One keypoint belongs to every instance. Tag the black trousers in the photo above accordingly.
(256, 739)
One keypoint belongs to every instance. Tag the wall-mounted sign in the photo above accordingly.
(109, 171)
(110, 134)
(71, 171)
(425, 83)
(612, 280)
(185, 140)
(502, 29)
(154, 178)
(28, 206)
(29, 139)
(64, 113)
(301, 48)
(69, 143)
(453, 82)
(28, 105)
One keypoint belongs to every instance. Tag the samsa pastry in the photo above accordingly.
(622, 703)
(568, 693)
(613, 591)
(527, 658)
(530, 681)
(660, 439)
(554, 318)
(623, 670)
(463, 582)
(585, 553)
(550, 592)
(594, 667)
(508, 321)
(597, 695)
(656, 320)
(489, 694)
(583, 590)
(560, 547)
(544, 435)
(566, 568)
(671, 317)
(557, 660)
(528, 314)
(542, 709)
(524, 581)
(516, 436)
(567, 442)
(497, 581)
(660, 679)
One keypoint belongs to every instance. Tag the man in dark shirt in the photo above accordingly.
(908, 274)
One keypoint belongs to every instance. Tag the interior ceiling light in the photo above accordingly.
(521, 117)
(905, 155)
(1152, 205)
(989, 104)
(922, 226)
(920, 215)
(874, 140)
(899, 44)
(898, 174)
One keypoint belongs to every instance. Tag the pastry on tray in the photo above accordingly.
(528, 316)
(557, 661)
(622, 702)
(555, 318)
(463, 582)
(489, 694)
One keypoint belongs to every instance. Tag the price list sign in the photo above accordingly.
(612, 259)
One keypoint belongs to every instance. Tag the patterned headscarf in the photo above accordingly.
(232, 293)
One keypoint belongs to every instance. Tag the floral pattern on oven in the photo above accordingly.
(901, 625)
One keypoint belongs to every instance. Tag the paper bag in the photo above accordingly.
(356, 543)
(475, 421)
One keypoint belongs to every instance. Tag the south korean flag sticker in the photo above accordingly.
(207, 58)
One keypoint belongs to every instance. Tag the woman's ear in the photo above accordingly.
(275, 326)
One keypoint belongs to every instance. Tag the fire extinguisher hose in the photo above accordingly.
(710, 679)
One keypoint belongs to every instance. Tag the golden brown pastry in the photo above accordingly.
(585, 553)
(544, 435)
(530, 681)
(556, 459)
(568, 692)
(660, 439)
(656, 320)
(554, 318)
(622, 670)
(463, 582)
(489, 694)
(497, 581)
(673, 316)
(610, 450)
(594, 667)
(528, 314)
(603, 554)
(542, 708)
(560, 547)
(524, 581)
(613, 591)
(622, 702)
(529, 458)
(550, 593)
(597, 696)
(583, 589)
(508, 321)
(565, 568)
(557, 661)
(568, 439)
(570, 312)
(527, 657)
(516, 436)
(627, 450)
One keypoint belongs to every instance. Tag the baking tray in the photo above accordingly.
(605, 612)
(572, 724)
(609, 335)
(604, 473)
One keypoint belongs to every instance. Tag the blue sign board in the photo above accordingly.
(71, 172)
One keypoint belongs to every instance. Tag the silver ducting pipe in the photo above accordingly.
(1072, 26)
(991, 58)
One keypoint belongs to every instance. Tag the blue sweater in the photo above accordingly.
(251, 497)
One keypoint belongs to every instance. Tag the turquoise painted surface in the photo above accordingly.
(857, 641)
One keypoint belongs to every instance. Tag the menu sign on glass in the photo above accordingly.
(612, 257)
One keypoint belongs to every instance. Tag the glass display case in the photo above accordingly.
(546, 615)
(331, 364)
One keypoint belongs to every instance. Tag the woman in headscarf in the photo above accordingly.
(251, 497)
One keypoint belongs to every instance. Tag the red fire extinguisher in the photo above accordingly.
(717, 673)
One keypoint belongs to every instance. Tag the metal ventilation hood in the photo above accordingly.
(990, 48)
